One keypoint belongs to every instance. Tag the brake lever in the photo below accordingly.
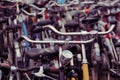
(40, 73)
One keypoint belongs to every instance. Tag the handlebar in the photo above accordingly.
(34, 14)
(22, 1)
(14, 68)
(103, 4)
(34, 6)
(55, 42)
(50, 69)
(107, 4)
(67, 34)
(44, 67)
(79, 33)
(87, 2)
(69, 4)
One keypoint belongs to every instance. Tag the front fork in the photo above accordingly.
(85, 64)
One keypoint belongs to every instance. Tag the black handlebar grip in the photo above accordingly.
(19, 39)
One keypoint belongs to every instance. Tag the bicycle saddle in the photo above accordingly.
(43, 23)
(40, 3)
(90, 20)
(35, 53)
(37, 30)
(71, 24)
(57, 10)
